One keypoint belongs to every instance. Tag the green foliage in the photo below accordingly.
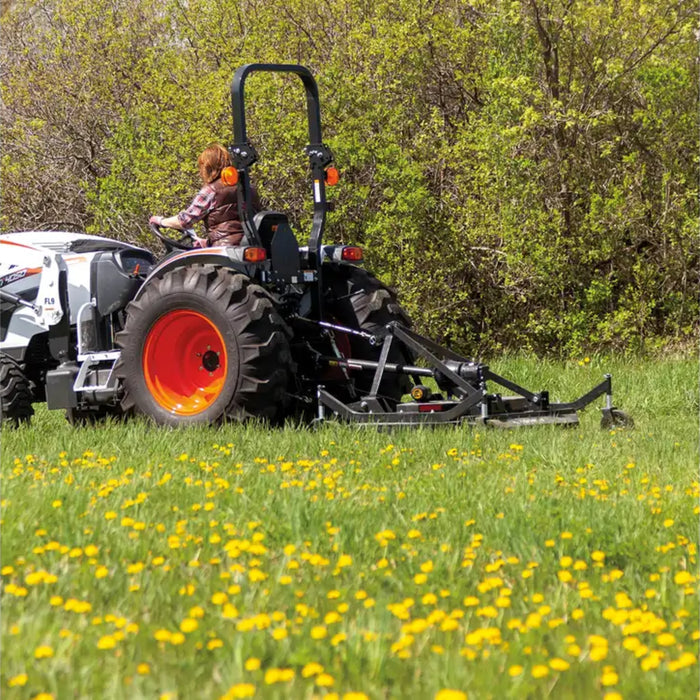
(525, 173)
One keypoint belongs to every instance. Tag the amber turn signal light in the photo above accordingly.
(351, 253)
(229, 176)
(254, 255)
(332, 176)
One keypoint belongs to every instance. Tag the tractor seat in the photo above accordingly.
(279, 241)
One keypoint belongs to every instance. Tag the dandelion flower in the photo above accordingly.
(609, 678)
(43, 652)
(450, 694)
(252, 664)
(18, 680)
(106, 642)
(188, 625)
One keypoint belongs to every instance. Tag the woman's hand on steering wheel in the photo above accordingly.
(187, 240)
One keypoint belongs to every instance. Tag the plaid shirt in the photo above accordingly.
(200, 207)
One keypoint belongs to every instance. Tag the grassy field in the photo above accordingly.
(348, 563)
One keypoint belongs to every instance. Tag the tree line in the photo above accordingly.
(524, 172)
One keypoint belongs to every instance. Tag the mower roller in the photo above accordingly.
(267, 329)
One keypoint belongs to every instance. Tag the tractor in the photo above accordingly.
(269, 329)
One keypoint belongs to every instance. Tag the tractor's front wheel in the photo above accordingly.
(15, 392)
(203, 344)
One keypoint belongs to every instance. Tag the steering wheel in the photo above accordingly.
(184, 242)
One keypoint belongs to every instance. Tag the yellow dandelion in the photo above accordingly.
(241, 690)
(318, 632)
(106, 642)
(609, 678)
(252, 664)
(43, 652)
(450, 694)
(683, 578)
(666, 639)
(311, 669)
(598, 653)
(188, 625)
(18, 680)
(324, 680)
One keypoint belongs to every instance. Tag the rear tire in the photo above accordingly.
(357, 299)
(203, 344)
(15, 392)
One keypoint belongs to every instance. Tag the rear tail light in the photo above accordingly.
(351, 253)
(254, 255)
(429, 407)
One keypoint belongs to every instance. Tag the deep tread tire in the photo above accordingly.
(256, 339)
(357, 299)
(15, 392)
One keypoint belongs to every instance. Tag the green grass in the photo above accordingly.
(111, 537)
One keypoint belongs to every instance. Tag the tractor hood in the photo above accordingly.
(66, 242)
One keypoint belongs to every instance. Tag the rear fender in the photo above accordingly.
(224, 256)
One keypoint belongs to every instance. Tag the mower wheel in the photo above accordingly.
(15, 392)
(203, 344)
(357, 299)
(615, 418)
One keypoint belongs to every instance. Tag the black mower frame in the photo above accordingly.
(465, 382)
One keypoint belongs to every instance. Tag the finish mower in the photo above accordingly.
(268, 329)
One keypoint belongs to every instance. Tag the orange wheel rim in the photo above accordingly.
(184, 362)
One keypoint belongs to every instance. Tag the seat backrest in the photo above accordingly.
(281, 245)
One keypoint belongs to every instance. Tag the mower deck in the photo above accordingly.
(466, 386)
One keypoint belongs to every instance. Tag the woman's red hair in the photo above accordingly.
(212, 160)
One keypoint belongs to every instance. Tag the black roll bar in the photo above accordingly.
(238, 103)
(243, 156)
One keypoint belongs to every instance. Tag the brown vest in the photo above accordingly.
(223, 223)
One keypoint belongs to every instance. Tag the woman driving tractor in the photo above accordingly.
(215, 205)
